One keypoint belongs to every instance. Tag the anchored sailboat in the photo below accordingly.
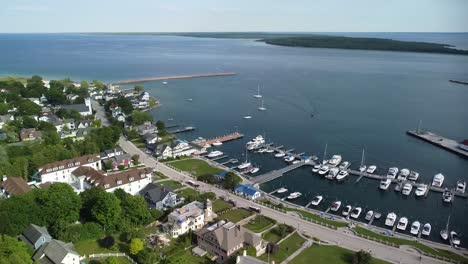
(258, 95)
(363, 167)
(262, 108)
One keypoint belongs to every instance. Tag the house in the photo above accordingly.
(4, 119)
(27, 134)
(164, 151)
(60, 171)
(248, 191)
(245, 259)
(72, 97)
(109, 153)
(84, 109)
(151, 138)
(83, 123)
(146, 128)
(464, 145)
(192, 216)
(57, 252)
(14, 186)
(119, 160)
(144, 96)
(35, 236)
(225, 239)
(81, 133)
(117, 113)
(36, 101)
(160, 197)
(60, 125)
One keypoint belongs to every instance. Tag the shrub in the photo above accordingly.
(107, 242)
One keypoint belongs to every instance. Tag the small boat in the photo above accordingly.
(332, 173)
(289, 158)
(345, 165)
(398, 186)
(392, 173)
(214, 154)
(335, 160)
(426, 230)
(282, 190)
(190, 99)
(244, 165)
(254, 170)
(258, 95)
(323, 170)
(356, 212)
(371, 169)
(252, 146)
(270, 150)
(413, 176)
(404, 173)
(296, 161)
(263, 150)
(362, 168)
(369, 215)
(454, 238)
(257, 140)
(317, 200)
(377, 215)
(347, 210)
(438, 180)
(447, 196)
(461, 186)
(207, 146)
(342, 175)
(280, 155)
(316, 168)
(384, 184)
(294, 195)
(262, 107)
(444, 233)
(421, 190)
(335, 206)
(407, 188)
(415, 226)
(217, 143)
(247, 117)
(402, 223)
(164, 82)
(391, 218)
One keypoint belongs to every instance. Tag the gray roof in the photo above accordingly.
(5, 118)
(249, 260)
(77, 107)
(155, 192)
(82, 132)
(33, 233)
(149, 136)
(54, 252)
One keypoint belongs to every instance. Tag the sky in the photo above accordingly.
(42, 16)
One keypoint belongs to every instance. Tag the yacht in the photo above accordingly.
(317, 200)
(164, 82)
(332, 173)
(282, 190)
(413, 176)
(244, 165)
(335, 160)
(280, 155)
(254, 170)
(461, 186)
(426, 230)
(247, 117)
(421, 190)
(402, 223)
(407, 188)
(356, 212)
(294, 195)
(404, 173)
(371, 169)
(214, 154)
(289, 158)
(391, 218)
(392, 173)
(454, 238)
(252, 146)
(345, 165)
(316, 168)
(444, 233)
(384, 184)
(346, 210)
(257, 140)
(398, 186)
(415, 226)
(262, 107)
(438, 180)
(258, 95)
(369, 215)
(342, 175)
(323, 170)
(447, 196)
(335, 206)
(217, 143)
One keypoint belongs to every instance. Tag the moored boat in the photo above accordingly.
(426, 230)
(404, 173)
(317, 200)
(461, 186)
(323, 170)
(438, 180)
(316, 168)
(344, 165)
(289, 158)
(244, 165)
(335, 206)
(214, 154)
(335, 160)
(415, 226)
(332, 173)
(280, 155)
(342, 175)
(356, 212)
(254, 170)
(402, 223)
(384, 184)
(391, 218)
(294, 195)
(217, 143)
(421, 190)
(447, 196)
(369, 215)
(454, 238)
(371, 169)
(444, 233)
(347, 210)
(413, 176)
(282, 190)
(392, 172)
(407, 188)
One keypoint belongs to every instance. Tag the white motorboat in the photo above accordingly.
(404, 173)
(335, 160)
(402, 223)
(270, 150)
(164, 82)
(415, 226)
(444, 233)
(296, 161)
(207, 146)
(335, 206)
(447, 196)
(342, 175)
(413, 176)
(282, 190)
(407, 188)
(384, 184)
(369, 215)
(244, 165)
(262, 107)
(421, 190)
(190, 99)
(289, 158)
(294, 195)
(324, 162)
(257, 140)
(345, 165)
(214, 154)
(362, 168)
(438, 180)
(263, 150)
(377, 215)
(254, 170)
(454, 238)
(356, 212)
(461, 186)
(391, 218)
(258, 95)
(347, 210)
(371, 169)
(317, 200)
(332, 173)
(252, 146)
(217, 143)
(392, 173)
(280, 155)
(323, 170)
(316, 168)
(426, 230)
(247, 117)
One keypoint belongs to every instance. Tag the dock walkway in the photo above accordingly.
(221, 139)
(269, 176)
(445, 143)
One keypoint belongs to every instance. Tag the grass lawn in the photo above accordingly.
(186, 257)
(274, 235)
(120, 260)
(195, 166)
(328, 254)
(171, 183)
(87, 247)
(260, 223)
(235, 215)
(139, 143)
(188, 192)
(286, 248)
(315, 217)
(220, 205)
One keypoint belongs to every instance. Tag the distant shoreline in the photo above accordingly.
(175, 77)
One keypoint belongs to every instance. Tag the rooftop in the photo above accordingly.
(70, 163)
(15, 185)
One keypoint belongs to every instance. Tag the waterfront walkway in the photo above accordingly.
(163, 78)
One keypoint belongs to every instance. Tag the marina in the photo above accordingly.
(445, 143)
(222, 139)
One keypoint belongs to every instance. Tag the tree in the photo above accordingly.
(123, 102)
(13, 251)
(17, 212)
(362, 257)
(26, 107)
(160, 125)
(111, 260)
(75, 114)
(56, 96)
(107, 242)
(84, 84)
(106, 210)
(136, 159)
(99, 85)
(136, 245)
(138, 118)
(46, 126)
(139, 88)
(3, 109)
(51, 138)
(97, 123)
(230, 181)
(134, 208)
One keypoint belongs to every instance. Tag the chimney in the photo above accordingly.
(237, 259)
(4, 178)
(244, 253)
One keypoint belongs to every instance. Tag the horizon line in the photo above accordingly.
(180, 32)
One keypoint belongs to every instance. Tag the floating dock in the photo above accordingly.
(165, 78)
(269, 176)
(182, 130)
(222, 139)
(445, 143)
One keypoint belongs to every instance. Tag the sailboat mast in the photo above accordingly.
(362, 159)
(325, 152)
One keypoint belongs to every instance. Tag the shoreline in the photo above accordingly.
(174, 77)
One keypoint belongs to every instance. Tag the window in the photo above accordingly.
(61, 167)
(43, 239)
(106, 186)
(77, 163)
(119, 182)
(131, 179)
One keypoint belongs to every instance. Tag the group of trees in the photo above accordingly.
(229, 181)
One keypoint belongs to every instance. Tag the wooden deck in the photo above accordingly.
(221, 139)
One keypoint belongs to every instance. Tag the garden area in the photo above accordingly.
(260, 223)
(235, 215)
(285, 249)
(195, 166)
(328, 254)
(171, 183)
(221, 205)
(277, 233)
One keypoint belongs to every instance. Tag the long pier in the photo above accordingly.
(182, 130)
(442, 142)
(163, 78)
(233, 136)
(459, 82)
(269, 176)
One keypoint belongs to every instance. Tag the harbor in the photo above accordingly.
(440, 141)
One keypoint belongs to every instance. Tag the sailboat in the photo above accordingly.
(262, 108)
(245, 164)
(324, 161)
(258, 95)
(445, 232)
(363, 167)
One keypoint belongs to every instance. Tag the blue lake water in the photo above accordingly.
(360, 99)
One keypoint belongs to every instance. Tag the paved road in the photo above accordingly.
(100, 113)
(345, 240)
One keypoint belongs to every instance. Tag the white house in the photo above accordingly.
(61, 171)
(151, 138)
(192, 216)
(248, 191)
(164, 151)
(160, 197)
(84, 109)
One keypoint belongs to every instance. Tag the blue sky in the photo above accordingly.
(234, 15)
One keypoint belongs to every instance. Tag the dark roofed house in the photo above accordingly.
(35, 236)
(29, 134)
(160, 197)
(57, 252)
(14, 186)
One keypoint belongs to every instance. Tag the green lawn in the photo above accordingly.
(328, 254)
(195, 166)
(274, 235)
(286, 248)
(171, 183)
(260, 223)
(316, 217)
(235, 215)
(183, 256)
(87, 247)
(121, 260)
(188, 192)
(220, 205)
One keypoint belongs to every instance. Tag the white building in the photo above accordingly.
(192, 216)
(84, 109)
(61, 171)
